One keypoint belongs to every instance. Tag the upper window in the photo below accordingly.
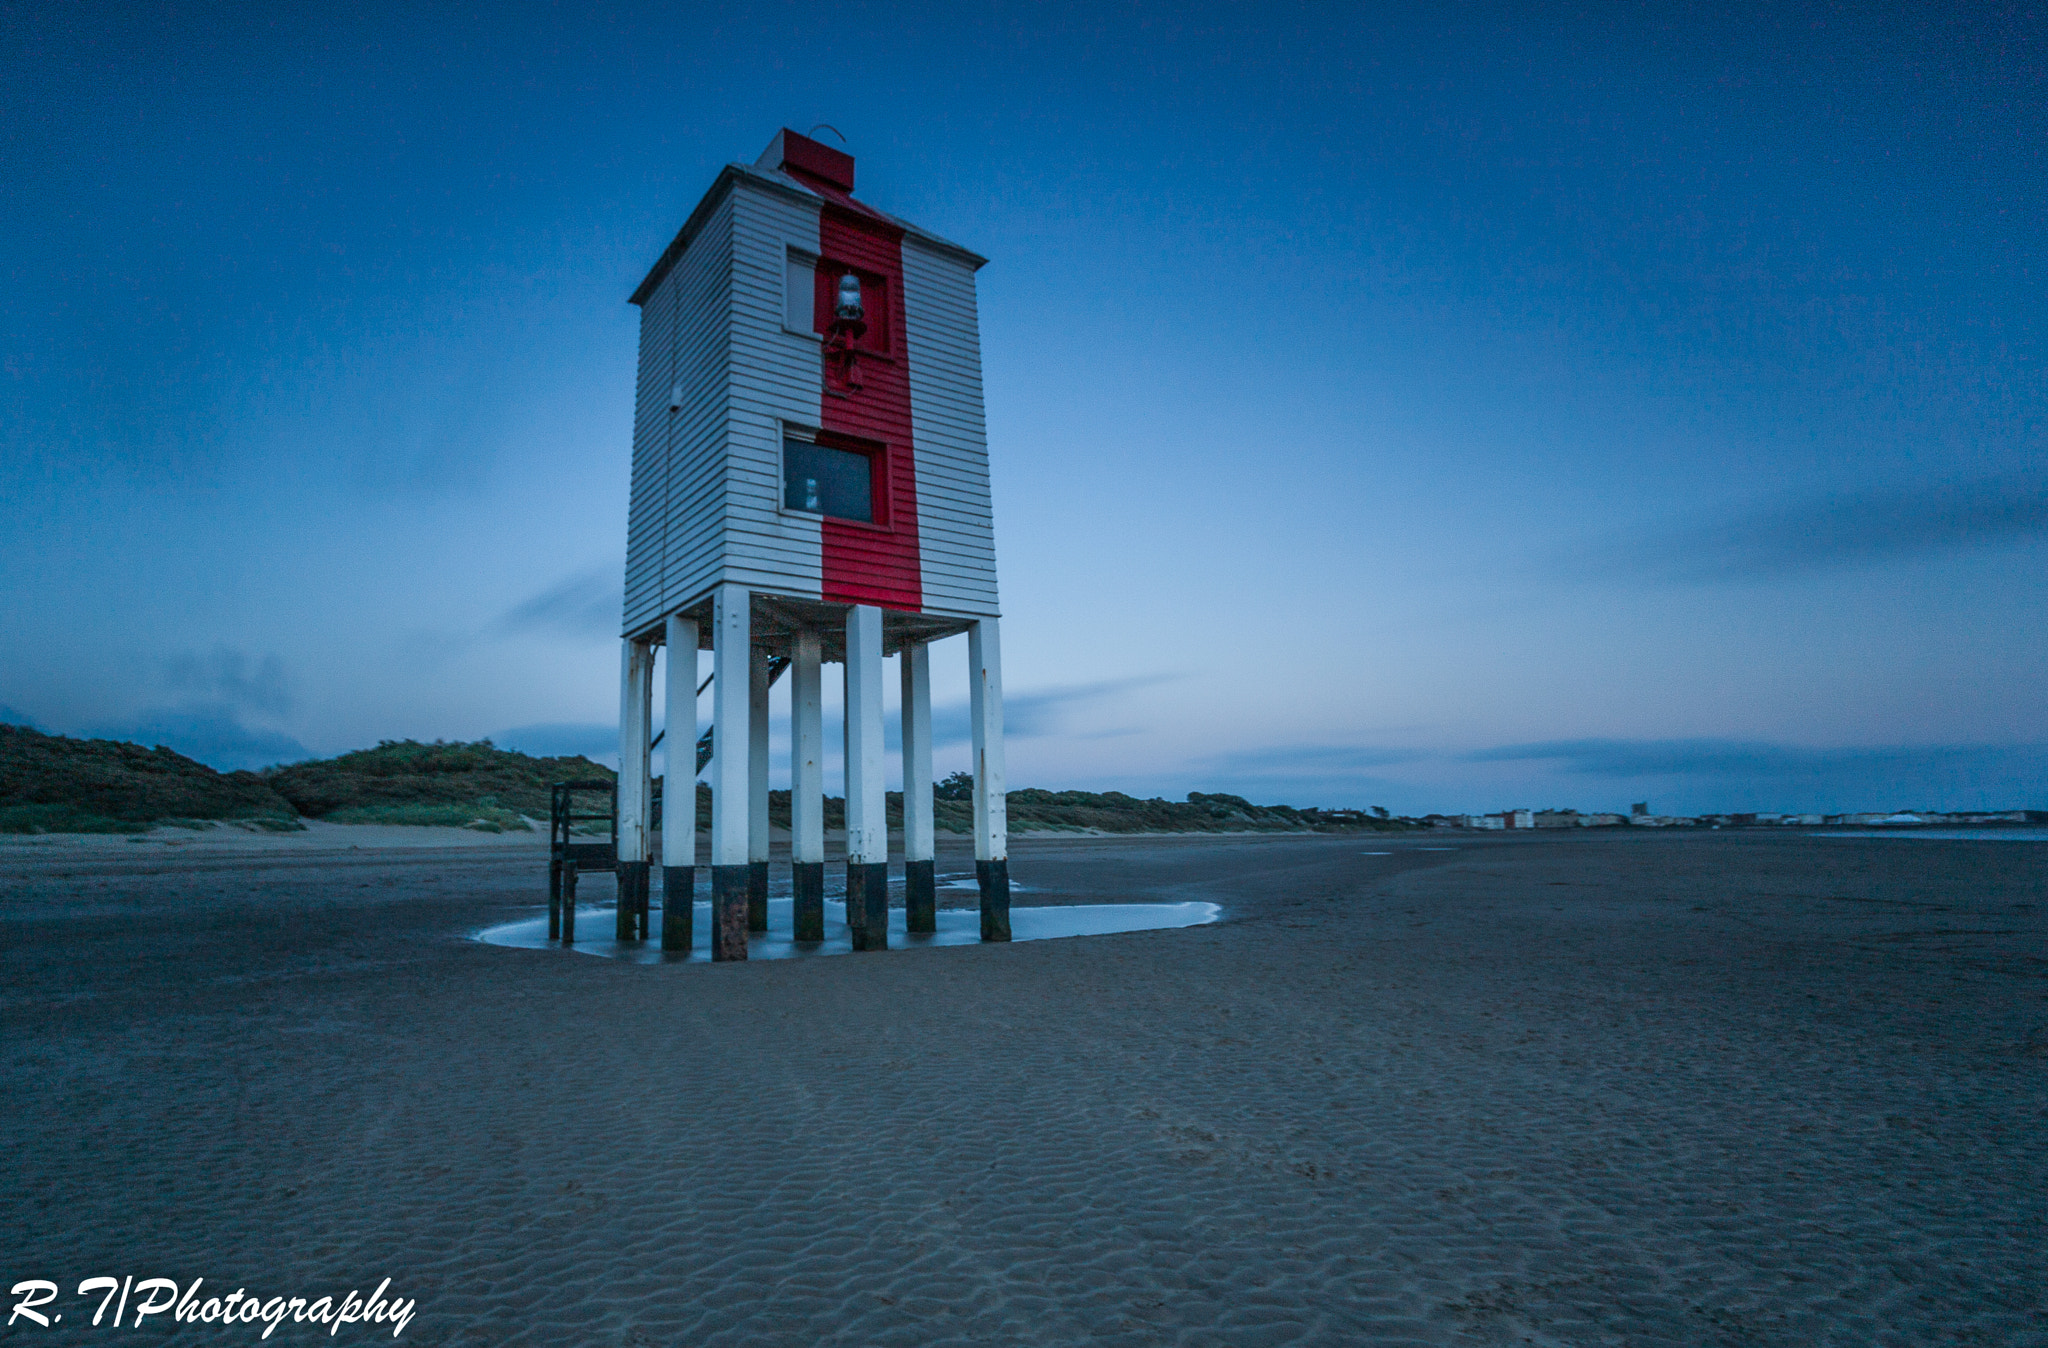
(827, 480)
(799, 291)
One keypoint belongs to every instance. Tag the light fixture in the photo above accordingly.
(849, 325)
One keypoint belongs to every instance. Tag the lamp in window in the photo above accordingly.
(849, 325)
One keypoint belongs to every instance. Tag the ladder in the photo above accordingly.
(777, 665)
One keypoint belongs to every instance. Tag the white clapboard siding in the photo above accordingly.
(955, 518)
(707, 475)
(645, 520)
(690, 500)
(673, 528)
(776, 377)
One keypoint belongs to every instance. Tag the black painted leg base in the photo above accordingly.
(856, 903)
(807, 884)
(729, 912)
(994, 878)
(871, 883)
(678, 907)
(920, 897)
(757, 896)
(633, 886)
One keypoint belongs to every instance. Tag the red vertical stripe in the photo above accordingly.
(872, 564)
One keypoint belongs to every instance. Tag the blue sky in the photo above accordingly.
(1447, 410)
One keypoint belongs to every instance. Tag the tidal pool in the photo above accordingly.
(957, 926)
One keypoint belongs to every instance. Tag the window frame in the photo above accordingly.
(800, 299)
(875, 451)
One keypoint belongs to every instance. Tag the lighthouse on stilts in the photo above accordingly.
(810, 486)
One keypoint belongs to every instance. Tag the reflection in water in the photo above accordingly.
(957, 926)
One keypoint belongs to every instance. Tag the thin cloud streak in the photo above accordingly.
(213, 734)
(596, 740)
(232, 677)
(1324, 761)
(1717, 757)
(1849, 529)
(1029, 715)
(584, 605)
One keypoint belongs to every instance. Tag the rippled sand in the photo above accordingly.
(1617, 1089)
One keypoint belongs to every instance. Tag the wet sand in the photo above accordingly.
(1582, 1089)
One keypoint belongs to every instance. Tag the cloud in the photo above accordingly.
(215, 735)
(215, 695)
(1308, 760)
(1029, 715)
(229, 677)
(1796, 537)
(1786, 776)
(1305, 774)
(564, 739)
(585, 605)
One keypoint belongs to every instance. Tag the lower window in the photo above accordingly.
(825, 480)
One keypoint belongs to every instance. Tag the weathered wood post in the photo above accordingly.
(569, 901)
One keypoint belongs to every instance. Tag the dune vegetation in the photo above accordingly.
(56, 784)
(466, 785)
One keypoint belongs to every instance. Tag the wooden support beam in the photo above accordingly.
(757, 789)
(730, 720)
(867, 820)
(920, 884)
(636, 724)
(991, 814)
(679, 790)
(807, 785)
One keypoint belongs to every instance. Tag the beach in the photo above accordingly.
(1602, 1087)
